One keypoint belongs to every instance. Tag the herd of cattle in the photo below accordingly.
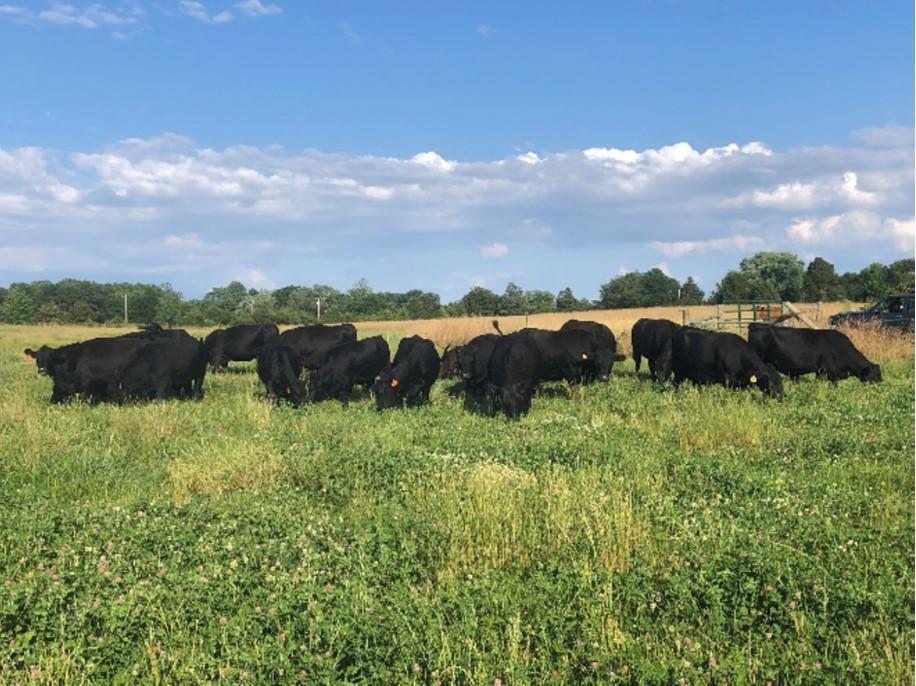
(497, 372)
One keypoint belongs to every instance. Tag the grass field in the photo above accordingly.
(621, 533)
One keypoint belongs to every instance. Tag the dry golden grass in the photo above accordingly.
(879, 344)
(461, 329)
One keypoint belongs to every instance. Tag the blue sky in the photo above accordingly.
(442, 145)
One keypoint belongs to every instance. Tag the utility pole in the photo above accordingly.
(318, 305)
(125, 309)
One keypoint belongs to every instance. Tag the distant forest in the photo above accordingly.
(764, 276)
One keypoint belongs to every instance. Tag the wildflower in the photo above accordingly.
(816, 665)
(120, 600)
(35, 673)
(497, 682)
(102, 566)
(222, 621)
(712, 662)
(687, 641)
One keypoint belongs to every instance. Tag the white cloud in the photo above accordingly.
(485, 30)
(494, 251)
(848, 226)
(256, 8)
(433, 160)
(93, 16)
(738, 242)
(197, 10)
(903, 232)
(192, 209)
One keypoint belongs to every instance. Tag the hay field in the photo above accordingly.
(458, 330)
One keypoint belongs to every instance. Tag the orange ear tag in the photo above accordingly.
(394, 383)
(28, 357)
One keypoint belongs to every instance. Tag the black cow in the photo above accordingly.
(238, 343)
(412, 373)
(825, 352)
(313, 342)
(349, 364)
(89, 368)
(573, 355)
(449, 365)
(706, 357)
(168, 367)
(651, 338)
(279, 369)
(473, 360)
(513, 371)
(602, 333)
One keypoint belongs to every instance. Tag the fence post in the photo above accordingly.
(684, 316)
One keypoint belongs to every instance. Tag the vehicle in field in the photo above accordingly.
(892, 311)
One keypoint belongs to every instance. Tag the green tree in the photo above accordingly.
(566, 301)
(540, 301)
(257, 308)
(734, 286)
(821, 281)
(50, 313)
(691, 294)
(658, 288)
(873, 281)
(169, 309)
(422, 305)
(622, 291)
(18, 307)
(480, 301)
(83, 313)
(900, 276)
(513, 301)
(775, 275)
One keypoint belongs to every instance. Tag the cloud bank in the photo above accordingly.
(167, 206)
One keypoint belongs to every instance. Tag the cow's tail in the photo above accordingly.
(495, 324)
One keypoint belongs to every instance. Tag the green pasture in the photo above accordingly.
(622, 533)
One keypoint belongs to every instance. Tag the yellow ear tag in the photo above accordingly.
(753, 378)
(394, 383)
(584, 356)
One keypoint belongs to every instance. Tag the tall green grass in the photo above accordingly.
(621, 533)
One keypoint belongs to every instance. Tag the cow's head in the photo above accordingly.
(466, 361)
(871, 374)
(386, 392)
(448, 367)
(769, 381)
(43, 357)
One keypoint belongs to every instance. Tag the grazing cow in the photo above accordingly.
(651, 338)
(313, 342)
(238, 343)
(706, 357)
(824, 352)
(513, 371)
(413, 372)
(168, 367)
(349, 364)
(449, 365)
(602, 333)
(90, 368)
(279, 369)
(473, 359)
(573, 355)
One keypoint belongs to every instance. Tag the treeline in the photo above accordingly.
(764, 276)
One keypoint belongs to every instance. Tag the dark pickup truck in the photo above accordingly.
(894, 311)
